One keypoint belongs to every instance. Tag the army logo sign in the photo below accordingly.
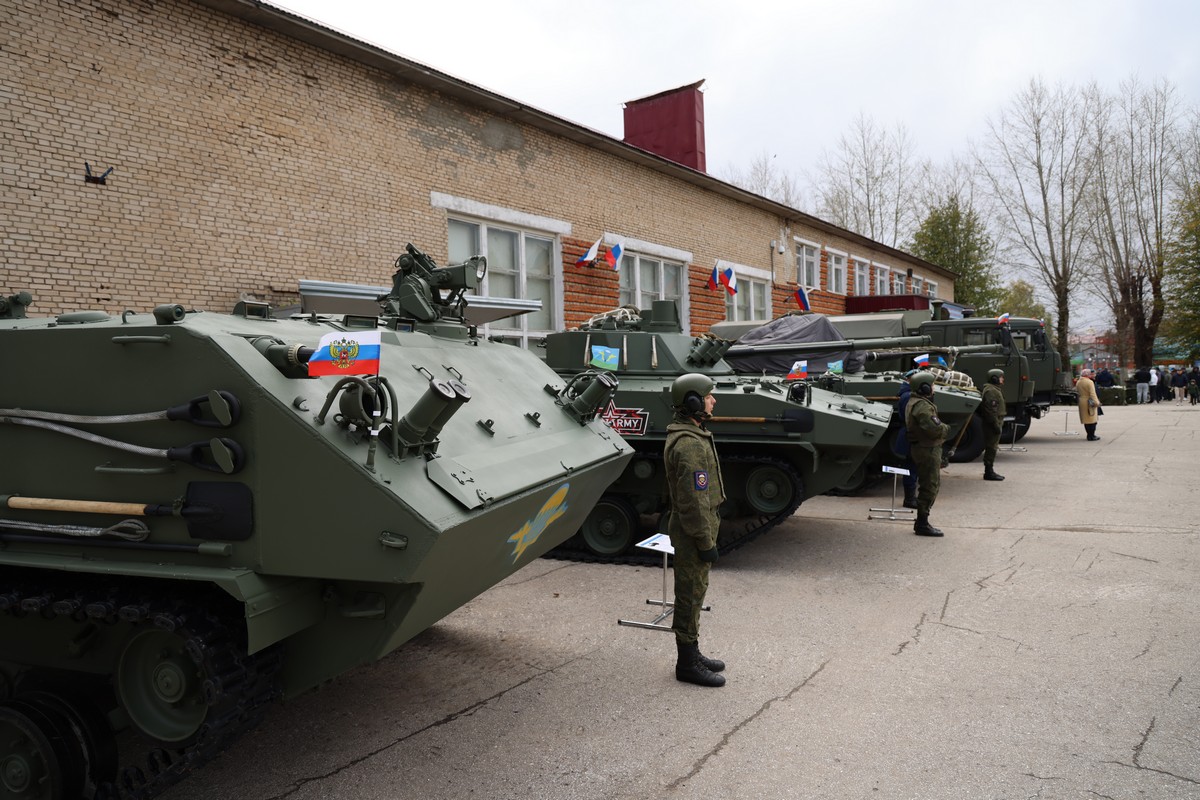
(626, 421)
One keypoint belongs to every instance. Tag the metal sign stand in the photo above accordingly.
(662, 543)
(893, 511)
(1012, 446)
(1066, 419)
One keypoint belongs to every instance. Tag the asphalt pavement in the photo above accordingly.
(1048, 647)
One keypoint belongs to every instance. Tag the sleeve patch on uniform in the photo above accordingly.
(701, 478)
(936, 420)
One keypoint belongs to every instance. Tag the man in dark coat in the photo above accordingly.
(902, 448)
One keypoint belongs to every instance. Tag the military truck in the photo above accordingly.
(779, 443)
(201, 512)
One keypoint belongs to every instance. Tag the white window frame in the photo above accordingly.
(931, 288)
(917, 285)
(837, 275)
(747, 278)
(862, 276)
(898, 282)
(633, 250)
(883, 279)
(798, 256)
(485, 215)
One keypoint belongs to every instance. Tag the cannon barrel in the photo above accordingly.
(885, 347)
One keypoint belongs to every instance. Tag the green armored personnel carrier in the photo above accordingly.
(200, 513)
(850, 367)
(779, 443)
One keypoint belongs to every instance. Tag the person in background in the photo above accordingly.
(1142, 379)
(926, 435)
(1178, 385)
(1104, 377)
(1193, 390)
(1153, 390)
(902, 447)
(993, 409)
(1089, 404)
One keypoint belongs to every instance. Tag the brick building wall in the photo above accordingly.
(244, 160)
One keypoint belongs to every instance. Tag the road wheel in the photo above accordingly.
(39, 759)
(161, 686)
(769, 490)
(610, 528)
(971, 444)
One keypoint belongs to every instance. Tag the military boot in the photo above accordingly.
(711, 664)
(990, 474)
(910, 497)
(690, 669)
(922, 527)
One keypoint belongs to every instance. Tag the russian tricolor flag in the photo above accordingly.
(590, 255)
(799, 371)
(922, 360)
(613, 256)
(1003, 318)
(714, 280)
(344, 353)
(729, 280)
(802, 299)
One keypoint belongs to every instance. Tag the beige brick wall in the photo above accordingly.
(244, 161)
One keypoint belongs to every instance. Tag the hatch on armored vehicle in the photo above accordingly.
(204, 512)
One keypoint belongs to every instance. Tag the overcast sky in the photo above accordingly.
(785, 79)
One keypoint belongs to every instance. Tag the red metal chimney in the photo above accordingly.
(669, 124)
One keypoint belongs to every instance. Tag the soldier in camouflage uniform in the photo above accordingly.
(926, 434)
(994, 409)
(695, 489)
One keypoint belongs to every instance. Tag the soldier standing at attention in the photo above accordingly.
(695, 489)
(994, 409)
(926, 434)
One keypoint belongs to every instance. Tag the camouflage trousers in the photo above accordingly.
(691, 584)
(991, 444)
(929, 474)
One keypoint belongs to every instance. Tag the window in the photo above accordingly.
(753, 298)
(520, 265)
(645, 279)
(881, 280)
(808, 264)
(862, 277)
(837, 272)
(918, 285)
(897, 282)
(931, 288)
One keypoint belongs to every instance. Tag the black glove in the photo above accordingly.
(710, 555)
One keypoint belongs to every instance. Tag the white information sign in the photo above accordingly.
(896, 470)
(660, 542)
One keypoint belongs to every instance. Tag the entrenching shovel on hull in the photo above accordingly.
(212, 509)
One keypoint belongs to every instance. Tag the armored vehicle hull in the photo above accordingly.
(193, 526)
(778, 443)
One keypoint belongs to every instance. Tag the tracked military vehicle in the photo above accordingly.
(850, 367)
(779, 443)
(203, 512)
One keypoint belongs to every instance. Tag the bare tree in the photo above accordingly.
(764, 177)
(1135, 136)
(867, 184)
(1037, 166)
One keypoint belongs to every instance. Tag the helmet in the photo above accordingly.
(920, 381)
(994, 375)
(688, 392)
